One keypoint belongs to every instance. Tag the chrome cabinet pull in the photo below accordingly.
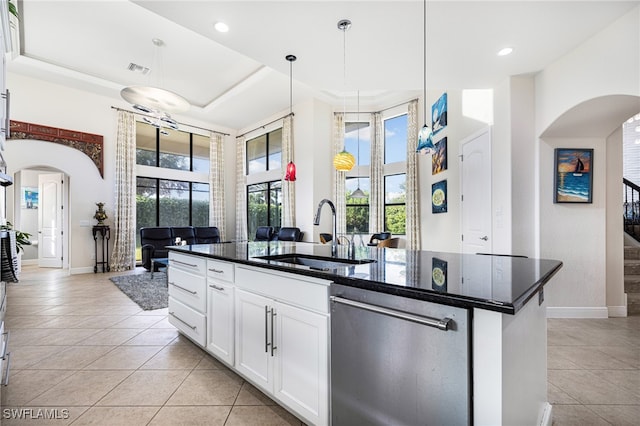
(184, 263)
(441, 324)
(485, 238)
(182, 288)
(273, 342)
(217, 271)
(193, 327)
(216, 287)
(5, 382)
(266, 329)
(6, 344)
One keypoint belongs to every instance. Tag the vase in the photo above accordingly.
(100, 215)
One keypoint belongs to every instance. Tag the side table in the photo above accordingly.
(104, 233)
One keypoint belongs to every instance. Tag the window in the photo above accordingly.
(265, 152)
(357, 209)
(395, 177)
(164, 202)
(264, 206)
(178, 150)
(395, 196)
(395, 139)
(182, 200)
(354, 132)
(357, 140)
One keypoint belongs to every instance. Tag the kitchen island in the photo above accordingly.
(269, 320)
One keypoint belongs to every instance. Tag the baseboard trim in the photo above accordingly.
(29, 261)
(575, 312)
(618, 311)
(547, 415)
(84, 270)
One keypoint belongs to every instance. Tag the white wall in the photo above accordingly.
(587, 238)
(615, 297)
(441, 232)
(607, 64)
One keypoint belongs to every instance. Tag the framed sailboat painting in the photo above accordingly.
(573, 175)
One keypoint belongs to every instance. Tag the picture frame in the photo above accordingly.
(573, 175)
(439, 114)
(29, 199)
(439, 274)
(439, 197)
(439, 157)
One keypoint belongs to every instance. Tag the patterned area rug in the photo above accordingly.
(149, 293)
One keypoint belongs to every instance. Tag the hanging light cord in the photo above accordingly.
(290, 86)
(425, 61)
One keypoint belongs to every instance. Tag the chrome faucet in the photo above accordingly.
(316, 221)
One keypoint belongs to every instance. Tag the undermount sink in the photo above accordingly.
(316, 262)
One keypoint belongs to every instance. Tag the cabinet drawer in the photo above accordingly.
(294, 289)
(190, 322)
(220, 270)
(188, 288)
(193, 264)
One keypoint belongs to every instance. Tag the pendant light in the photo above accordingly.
(155, 101)
(344, 161)
(290, 175)
(425, 137)
(358, 192)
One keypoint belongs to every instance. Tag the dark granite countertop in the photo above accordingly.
(498, 283)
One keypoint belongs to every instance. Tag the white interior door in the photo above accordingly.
(50, 220)
(476, 194)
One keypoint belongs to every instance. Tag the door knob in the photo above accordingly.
(485, 238)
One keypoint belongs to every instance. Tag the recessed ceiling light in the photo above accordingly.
(638, 129)
(505, 51)
(221, 27)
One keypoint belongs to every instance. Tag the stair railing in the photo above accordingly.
(631, 207)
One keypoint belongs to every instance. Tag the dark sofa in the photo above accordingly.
(154, 239)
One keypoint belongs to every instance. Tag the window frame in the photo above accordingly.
(269, 206)
(267, 135)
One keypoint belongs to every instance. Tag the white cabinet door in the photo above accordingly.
(220, 313)
(253, 338)
(301, 373)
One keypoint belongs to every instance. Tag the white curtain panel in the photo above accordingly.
(413, 187)
(241, 190)
(216, 183)
(123, 257)
(288, 188)
(376, 198)
(339, 195)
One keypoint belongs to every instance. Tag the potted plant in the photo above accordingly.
(22, 238)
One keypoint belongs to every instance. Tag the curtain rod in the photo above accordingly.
(373, 112)
(190, 125)
(265, 125)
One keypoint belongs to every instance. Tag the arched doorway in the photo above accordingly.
(49, 241)
(589, 238)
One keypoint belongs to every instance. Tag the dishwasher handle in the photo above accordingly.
(441, 324)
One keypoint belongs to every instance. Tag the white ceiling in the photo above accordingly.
(241, 77)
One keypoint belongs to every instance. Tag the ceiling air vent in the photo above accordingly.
(138, 68)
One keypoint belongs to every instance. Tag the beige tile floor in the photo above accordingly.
(83, 350)
(594, 371)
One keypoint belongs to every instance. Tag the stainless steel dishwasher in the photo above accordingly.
(398, 361)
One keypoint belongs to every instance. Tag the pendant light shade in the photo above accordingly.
(358, 193)
(425, 137)
(344, 161)
(290, 174)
